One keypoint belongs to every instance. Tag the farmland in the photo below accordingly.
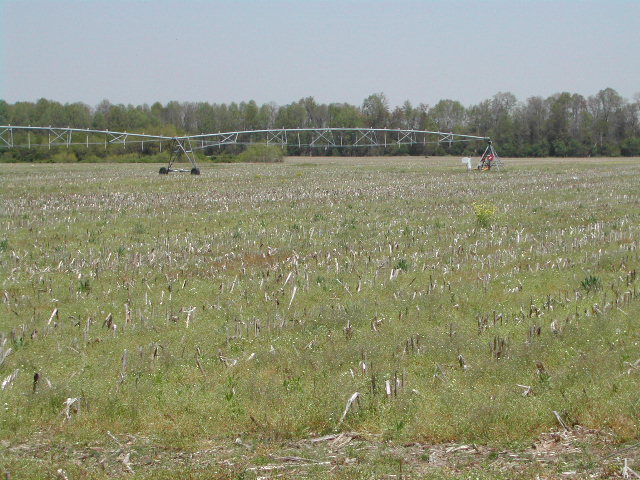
(324, 317)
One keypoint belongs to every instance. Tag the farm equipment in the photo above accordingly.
(489, 158)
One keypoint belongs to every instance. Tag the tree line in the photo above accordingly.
(564, 124)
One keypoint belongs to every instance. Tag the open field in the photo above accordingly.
(218, 326)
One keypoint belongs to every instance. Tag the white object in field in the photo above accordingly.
(353, 398)
(467, 160)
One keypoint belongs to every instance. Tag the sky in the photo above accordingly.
(135, 52)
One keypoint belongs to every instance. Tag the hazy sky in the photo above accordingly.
(336, 51)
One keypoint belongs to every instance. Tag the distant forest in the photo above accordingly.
(564, 124)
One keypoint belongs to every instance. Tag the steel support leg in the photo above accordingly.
(489, 158)
(177, 149)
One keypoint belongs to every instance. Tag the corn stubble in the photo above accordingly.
(310, 298)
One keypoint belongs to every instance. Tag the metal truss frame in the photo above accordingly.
(184, 147)
(331, 137)
(66, 137)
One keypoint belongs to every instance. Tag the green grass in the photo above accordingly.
(254, 300)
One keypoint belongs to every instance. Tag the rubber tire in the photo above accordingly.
(163, 171)
(195, 171)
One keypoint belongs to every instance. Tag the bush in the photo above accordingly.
(591, 283)
(262, 154)
(60, 155)
(540, 149)
(609, 150)
(403, 264)
(484, 214)
(63, 157)
(631, 147)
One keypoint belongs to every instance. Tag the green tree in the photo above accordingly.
(4, 112)
(291, 116)
(631, 147)
(343, 115)
(557, 123)
(267, 115)
(376, 110)
(605, 107)
(249, 113)
(448, 116)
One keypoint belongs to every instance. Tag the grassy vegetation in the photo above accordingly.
(80, 154)
(261, 154)
(153, 314)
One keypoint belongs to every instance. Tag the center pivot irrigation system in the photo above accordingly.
(183, 147)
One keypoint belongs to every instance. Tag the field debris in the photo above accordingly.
(341, 316)
(61, 474)
(9, 379)
(552, 454)
(71, 407)
(353, 398)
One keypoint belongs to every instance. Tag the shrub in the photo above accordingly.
(262, 154)
(484, 214)
(402, 264)
(590, 283)
(63, 157)
(631, 147)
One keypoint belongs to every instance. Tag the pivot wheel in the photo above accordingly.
(164, 171)
(195, 171)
